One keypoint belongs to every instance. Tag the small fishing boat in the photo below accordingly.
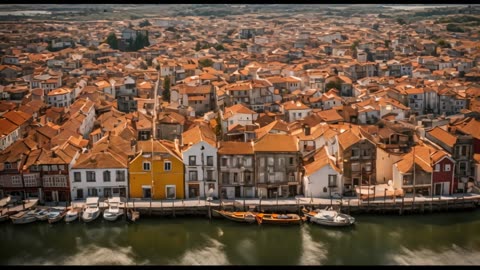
(23, 217)
(5, 201)
(55, 215)
(133, 215)
(41, 214)
(72, 214)
(278, 219)
(113, 211)
(91, 210)
(243, 217)
(329, 217)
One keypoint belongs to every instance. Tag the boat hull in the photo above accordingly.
(90, 216)
(345, 220)
(111, 216)
(24, 220)
(241, 217)
(289, 219)
(70, 217)
(133, 215)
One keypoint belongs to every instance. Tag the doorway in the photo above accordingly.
(438, 189)
(237, 192)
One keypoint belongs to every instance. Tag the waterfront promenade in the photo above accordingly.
(406, 204)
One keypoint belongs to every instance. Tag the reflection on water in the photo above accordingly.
(210, 254)
(375, 240)
(453, 256)
(313, 253)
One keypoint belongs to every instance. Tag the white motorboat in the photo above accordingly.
(72, 214)
(113, 211)
(23, 217)
(329, 217)
(91, 210)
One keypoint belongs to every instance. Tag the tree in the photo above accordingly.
(401, 21)
(198, 47)
(387, 43)
(454, 28)
(171, 29)
(206, 62)
(375, 26)
(243, 45)
(112, 41)
(144, 23)
(219, 47)
(333, 84)
(166, 89)
(443, 44)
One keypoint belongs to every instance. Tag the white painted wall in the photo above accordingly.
(99, 184)
(195, 150)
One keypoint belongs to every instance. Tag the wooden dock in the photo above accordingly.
(398, 206)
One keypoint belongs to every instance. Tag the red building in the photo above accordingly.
(443, 174)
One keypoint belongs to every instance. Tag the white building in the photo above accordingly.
(322, 177)
(199, 154)
(102, 174)
(60, 97)
(9, 133)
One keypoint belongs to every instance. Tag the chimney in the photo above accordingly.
(306, 129)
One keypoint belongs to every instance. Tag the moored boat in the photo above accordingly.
(41, 214)
(72, 214)
(133, 215)
(263, 218)
(113, 212)
(243, 217)
(329, 217)
(91, 210)
(55, 215)
(23, 217)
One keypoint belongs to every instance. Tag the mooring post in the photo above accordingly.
(447, 205)
(349, 206)
(244, 208)
(403, 202)
(173, 207)
(209, 211)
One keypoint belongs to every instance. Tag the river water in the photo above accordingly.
(445, 239)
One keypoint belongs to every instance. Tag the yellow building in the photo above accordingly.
(165, 167)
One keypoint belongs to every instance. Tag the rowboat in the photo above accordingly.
(243, 217)
(329, 217)
(56, 215)
(278, 218)
(41, 214)
(133, 215)
(23, 217)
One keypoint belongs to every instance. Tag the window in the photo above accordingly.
(106, 176)
(120, 176)
(77, 177)
(281, 162)
(192, 176)
(332, 180)
(270, 161)
(447, 167)
(224, 161)
(248, 177)
(355, 153)
(464, 150)
(248, 162)
(437, 167)
(167, 166)
(61, 167)
(170, 190)
(290, 161)
(355, 167)
(209, 175)
(262, 162)
(192, 160)
(368, 167)
(54, 168)
(209, 160)
(16, 180)
(90, 176)
(235, 177)
(146, 166)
